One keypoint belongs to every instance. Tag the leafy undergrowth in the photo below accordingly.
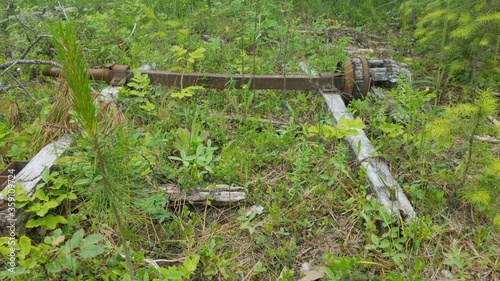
(306, 200)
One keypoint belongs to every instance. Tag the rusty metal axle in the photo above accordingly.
(354, 78)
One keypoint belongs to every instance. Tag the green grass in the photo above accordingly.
(313, 195)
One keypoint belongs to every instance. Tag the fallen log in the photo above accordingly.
(378, 175)
(28, 178)
(220, 194)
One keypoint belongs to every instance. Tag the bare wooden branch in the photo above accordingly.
(493, 120)
(10, 64)
(488, 139)
(221, 194)
(33, 43)
(22, 87)
(62, 10)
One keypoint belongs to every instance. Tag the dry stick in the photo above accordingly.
(128, 38)
(469, 158)
(284, 52)
(25, 27)
(8, 68)
(62, 10)
(255, 43)
(33, 44)
(488, 139)
(22, 87)
(11, 64)
(474, 65)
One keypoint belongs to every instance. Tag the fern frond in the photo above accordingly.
(457, 65)
(484, 42)
(434, 15)
(464, 18)
(419, 32)
(478, 197)
(487, 103)
(496, 221)
(440, 133)
(489, 17)
(461, 110)
(452, 16)
(494, 167)
(465, 32)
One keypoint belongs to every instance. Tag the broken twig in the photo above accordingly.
(22, 87)
(11, 64)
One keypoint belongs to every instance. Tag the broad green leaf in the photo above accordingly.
(68, 261)
(387, 127)
(49, 221)
(172, 273)
(71, 196)
(24, 246)
(54, 267)
(356, 123)
(74, 242)
(42, 209)
(4, 240)
(329, 273)
(4, 245)
(190, 264)
(178, 51)
(90, 251)
(91, 239)
(384, 243)
(148, 106)
(370, 247)
(45, 175)
(82, 182)
(55, 235)
(198, 54)
(58, 240)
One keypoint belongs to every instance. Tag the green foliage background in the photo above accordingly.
(314, 198)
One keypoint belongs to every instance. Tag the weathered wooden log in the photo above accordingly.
(28, 178)
(378, 175)
(220, 194)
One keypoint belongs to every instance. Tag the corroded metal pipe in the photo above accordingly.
(354, 77)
